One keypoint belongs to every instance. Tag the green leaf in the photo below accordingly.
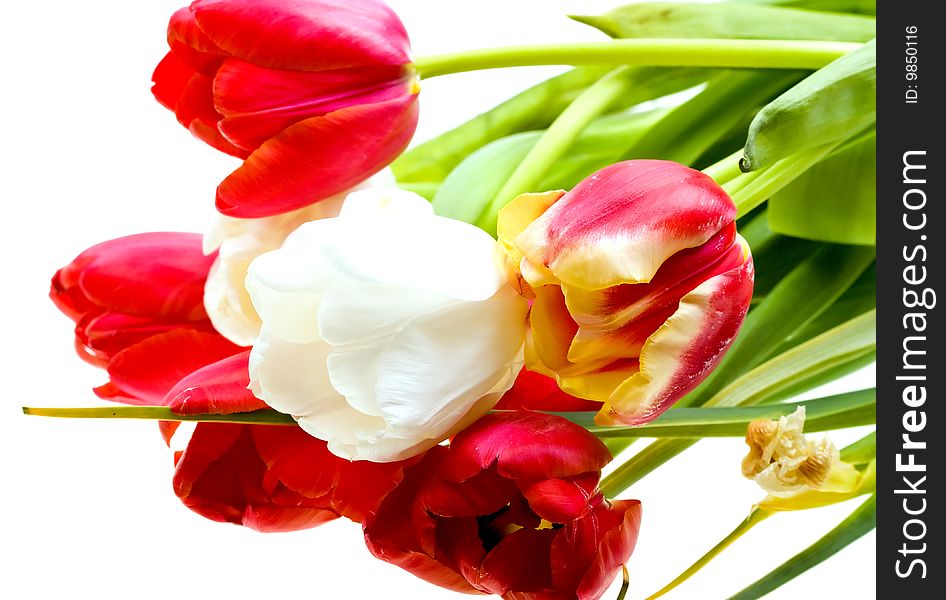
(774, 255)
(850, 341)
(860, 522)
(475, 182)
(862, 451)
(835, 200)
(534, 108)
(831, 412)
(688, 130)
(725, 20)
(830, 105)
(430, 162)
(863, 7)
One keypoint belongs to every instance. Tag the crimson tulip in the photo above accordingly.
(511, 507)
(266, 477)
(314, 95)
(137, 302)
(638, 280)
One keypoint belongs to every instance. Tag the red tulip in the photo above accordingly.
(511, 507)
(639, 284)
(266, 477)
(314, 95)
(137, 302)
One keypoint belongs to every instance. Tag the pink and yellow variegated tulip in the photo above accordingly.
(639, 284)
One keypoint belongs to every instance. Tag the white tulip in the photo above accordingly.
(387, 329)
(238, 242)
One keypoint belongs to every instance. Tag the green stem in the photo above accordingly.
(160, 413)
(760, 188)
(720, 53)
(556, 141)
(754, 518)
(726, 169)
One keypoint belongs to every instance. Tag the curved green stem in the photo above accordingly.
(160, 413)
(556, 141)
(721, 53)
(754, 518)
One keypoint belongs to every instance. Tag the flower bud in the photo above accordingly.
(639, 284)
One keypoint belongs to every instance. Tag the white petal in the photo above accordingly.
(292, 378)
(353, 374)
(442, 364)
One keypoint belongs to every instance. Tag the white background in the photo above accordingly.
(87, 155)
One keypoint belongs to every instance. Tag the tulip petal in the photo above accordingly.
(150, 369)
(526, 445)
(191, 45)
(534, 391)
(561, 500)
(614, 548)
(218, 388)
(257, 103)
(519, 562)
(152, 274)
(318, 157)
(483, 494)
(686, 348)
(308, 35)
(620, 224)
(395, 532)
(419, 392)
(219, 475)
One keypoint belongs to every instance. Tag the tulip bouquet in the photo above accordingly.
(448, 343)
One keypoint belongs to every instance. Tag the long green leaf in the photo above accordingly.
(862, 7)
(831, 412)
(862, 451)
(724, 20)
(835, 200)
(429, 163)
(475, 182)
(849, 341)
(829, 105)
(688, 130)
(534, 108)
(860, 522)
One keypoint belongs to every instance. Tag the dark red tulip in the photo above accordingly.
(511, 507)
(137, 302)
(314, 95)
(266, 477)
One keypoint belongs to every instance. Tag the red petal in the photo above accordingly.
(168, 429)
(484, 493)
(170, 78)
(218, 388)
(318, 157)
(150, 369)
(149, 274)
(519, 563)
(561, 500)
(195, 110)
(527, 445)
(307, 35)
(191, 45)
(534, 391)
(621, 223)
(220, 476)
(614, 544)
(257, 103)
(685, 350)
(402, 533)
